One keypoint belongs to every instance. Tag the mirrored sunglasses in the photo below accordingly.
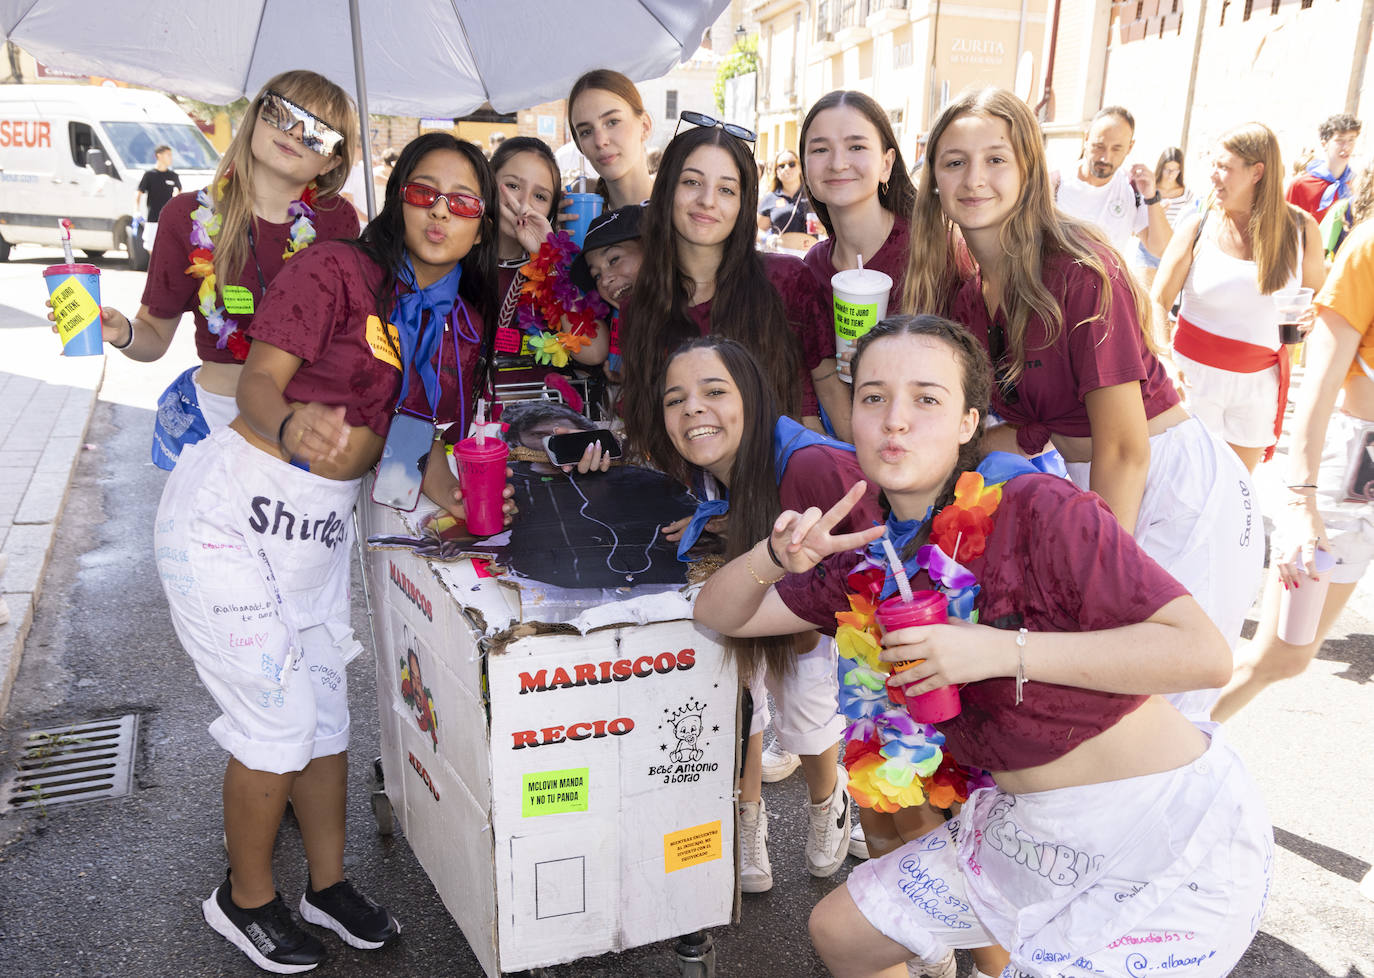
(459, 205)
(709, 122)
(281, 113)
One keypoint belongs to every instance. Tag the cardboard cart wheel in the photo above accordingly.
(696, 956)
(381, 804)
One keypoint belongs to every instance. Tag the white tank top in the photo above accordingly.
(1222, 295)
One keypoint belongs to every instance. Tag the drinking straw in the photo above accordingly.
(65, 226)
(861, 263)
(481, 422)
(582, 175)
(898, 571)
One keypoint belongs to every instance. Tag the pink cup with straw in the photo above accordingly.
(482, 477)
(924, 608)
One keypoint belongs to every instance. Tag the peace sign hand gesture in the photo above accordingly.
(803, 540)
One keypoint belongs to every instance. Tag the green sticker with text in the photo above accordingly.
(554, 792)
(238, 301)
(853, 320)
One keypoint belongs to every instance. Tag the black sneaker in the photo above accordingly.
(269, 935)
(350, 914)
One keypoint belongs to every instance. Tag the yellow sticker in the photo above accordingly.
(554, 792)
(74, 309)
(238, 301)
(381, 349)
(853, 320)
(688, 847)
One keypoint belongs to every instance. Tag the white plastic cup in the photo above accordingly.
(860, 303)
(1301, 607)
(1290, 305)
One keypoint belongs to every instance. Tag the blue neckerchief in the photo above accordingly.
(790, 437)
(1337, 188)
(706, 510)
(996, 467)
(418, 344)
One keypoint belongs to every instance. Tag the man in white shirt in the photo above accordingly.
(1122, 204)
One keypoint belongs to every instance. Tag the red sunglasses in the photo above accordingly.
(459, 205)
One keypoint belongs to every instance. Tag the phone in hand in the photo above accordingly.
(568, 449)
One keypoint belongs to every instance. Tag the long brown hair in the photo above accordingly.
(604, 80)
(1034, 228)
(745, 307)
(1272, 227)
(234, 204)
(898, 195)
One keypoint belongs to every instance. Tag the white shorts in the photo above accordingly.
(1075, 883)
(1241, 408)
(217, 409)
(1349, 526)
(807, 698)
(1200, 520)
(253, 555)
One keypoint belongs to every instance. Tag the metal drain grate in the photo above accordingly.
(82, 762)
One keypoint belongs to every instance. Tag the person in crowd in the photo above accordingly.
(1066, 327)
(159, 185)
(1178, 201)
(530, 195)
(1327, 181)
(494, 142)
(701, 274)
(1229, 261)
(255, 519)
(782, 211)
(1330, 467)
(611, 128)
(275, 193)
(609, 264)
(861, 191)
(719, 431)
(1078, 632)
(1124, 205)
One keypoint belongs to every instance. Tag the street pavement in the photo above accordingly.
(113, 888)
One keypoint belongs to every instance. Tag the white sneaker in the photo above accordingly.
(755, 871)
(858, 845)
(944, 968)
(778, 763)
(827, 841)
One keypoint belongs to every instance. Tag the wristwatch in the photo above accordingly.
(1147, 201)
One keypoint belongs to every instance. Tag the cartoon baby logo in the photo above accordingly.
(415, 693)
(683, 728)
(686, 724)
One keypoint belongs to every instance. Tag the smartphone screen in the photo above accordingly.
(398, 473)
(567, 449)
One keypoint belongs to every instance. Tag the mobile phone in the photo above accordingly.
(1360, 470)
(400, 472)
(567, 449)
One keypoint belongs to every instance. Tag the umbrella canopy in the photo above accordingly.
(437, 58)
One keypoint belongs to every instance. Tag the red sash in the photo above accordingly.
(1196, 343)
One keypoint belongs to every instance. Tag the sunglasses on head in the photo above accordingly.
(707, 122)
(281, 113)
(459, 205)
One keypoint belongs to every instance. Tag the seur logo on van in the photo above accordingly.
(18, 132)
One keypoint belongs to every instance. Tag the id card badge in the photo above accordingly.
(401, 469)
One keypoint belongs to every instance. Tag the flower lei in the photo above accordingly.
(894, 762)
(548, 296)
(205, 226)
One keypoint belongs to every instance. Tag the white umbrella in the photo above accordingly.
(435, 58)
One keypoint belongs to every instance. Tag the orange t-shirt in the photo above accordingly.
(1349, 290)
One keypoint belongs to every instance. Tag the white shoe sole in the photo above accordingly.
(225, 928)
(756, 886)
(314, 915)
(858, 848)
(774, 773)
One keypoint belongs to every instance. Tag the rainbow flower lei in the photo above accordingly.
(205, 226)
(549, 297)
(893, 761)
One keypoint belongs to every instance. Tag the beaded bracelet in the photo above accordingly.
(749, 563)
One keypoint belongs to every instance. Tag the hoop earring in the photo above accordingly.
(883, 187)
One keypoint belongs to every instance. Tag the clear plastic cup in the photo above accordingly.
(482, 477)
(860, 302)
(1300, 608)
(585, 209)
(75, 293)
(925, 608)
(1290, 305)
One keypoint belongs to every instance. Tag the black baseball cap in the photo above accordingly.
(608, 229)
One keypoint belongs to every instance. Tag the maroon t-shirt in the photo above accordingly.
(318, 309)
(169, 291)
(809, 319)
(819, 475)
(890, 259)
(1057, 561)
(1090, 353)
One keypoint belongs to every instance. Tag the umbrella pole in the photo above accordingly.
(364, 117)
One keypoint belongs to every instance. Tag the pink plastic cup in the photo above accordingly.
(1301, 607)
(482, 477)
(925, 608)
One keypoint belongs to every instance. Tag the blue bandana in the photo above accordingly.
(418, 345)
(1337, 188)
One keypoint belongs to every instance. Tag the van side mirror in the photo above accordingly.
(96, 160)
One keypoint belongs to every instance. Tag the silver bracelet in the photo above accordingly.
(1020, 662)
(129, 342)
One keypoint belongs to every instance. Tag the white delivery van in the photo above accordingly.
(79, 151)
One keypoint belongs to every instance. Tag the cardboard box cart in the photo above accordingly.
(569, 788)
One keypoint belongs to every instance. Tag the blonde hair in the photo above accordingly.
(1034, 228)
(234, 203)
(1272, 227)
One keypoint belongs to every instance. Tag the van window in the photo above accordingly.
(83, 138)
(135, 142)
